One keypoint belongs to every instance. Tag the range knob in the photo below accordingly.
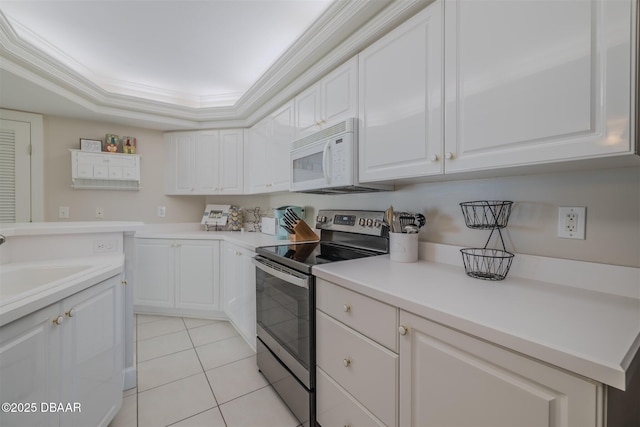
(361, 222)
(369, 222)
(321, 219)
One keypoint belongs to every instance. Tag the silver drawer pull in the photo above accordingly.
(346, 308)
(346, 362)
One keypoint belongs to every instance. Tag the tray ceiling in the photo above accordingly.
(171, 64)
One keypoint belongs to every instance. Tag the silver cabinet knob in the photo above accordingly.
(124, 282)
(71, 312)
(448, 155)
(346, 308)
(403, 330)
(58, 320)
(346, 362)
(434, 158)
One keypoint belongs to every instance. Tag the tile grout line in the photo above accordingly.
(205, 373)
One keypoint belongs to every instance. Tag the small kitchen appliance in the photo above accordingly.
(285, 300)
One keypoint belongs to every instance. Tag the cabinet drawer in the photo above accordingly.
(365, 369)
(115, 173)
(336, 407)
(370, 317)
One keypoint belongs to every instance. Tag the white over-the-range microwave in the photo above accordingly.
(326, 162)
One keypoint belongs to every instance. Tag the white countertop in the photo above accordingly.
(50, 228)
(249, 240)
(94, 270)
(591, 333)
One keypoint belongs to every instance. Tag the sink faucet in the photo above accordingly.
(2, 239)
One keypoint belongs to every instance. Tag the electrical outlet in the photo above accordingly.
(105, 246)
(100, 213)
(162, 211)
(63, 212)
(572, 222)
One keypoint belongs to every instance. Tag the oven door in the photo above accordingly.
(285, 300)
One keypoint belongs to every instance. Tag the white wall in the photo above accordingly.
(612, 198)
(60, 134)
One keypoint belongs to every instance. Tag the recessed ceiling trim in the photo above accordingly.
(341, 32)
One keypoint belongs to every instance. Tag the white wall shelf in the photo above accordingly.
(104, 171)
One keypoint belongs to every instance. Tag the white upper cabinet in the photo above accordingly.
(204, 162)
(230, 162)
(329, 101)
(531, 82)
(400, 108)
(268, 147)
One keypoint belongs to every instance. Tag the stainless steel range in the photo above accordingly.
(285, 300)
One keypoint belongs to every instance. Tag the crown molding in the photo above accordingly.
(342, 31)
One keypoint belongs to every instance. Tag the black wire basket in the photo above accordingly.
(485, 263)
(486, 214)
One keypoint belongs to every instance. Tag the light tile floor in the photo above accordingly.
(193, 373)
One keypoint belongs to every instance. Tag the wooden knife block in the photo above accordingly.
(303, 233)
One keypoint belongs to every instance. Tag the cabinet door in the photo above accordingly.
(307, 111)
(279, 147)
(257, 162)
(532, 82)
(206, 160)
(93, 353)
(180, 163)
(339, 92)
(239, 290)
(30, 366)
(450, 379)
(400, 107)
(154, 273)
(197, 275)
(230, 162)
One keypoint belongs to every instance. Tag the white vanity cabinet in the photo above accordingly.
(239, 290)
(331, 100)
(356, 358)
(532, 82)
(400, 107)
(267, 152)
(448, 378)
(204, 162)
(69, 352)
(177, 276)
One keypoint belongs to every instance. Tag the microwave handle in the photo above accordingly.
(325, 154)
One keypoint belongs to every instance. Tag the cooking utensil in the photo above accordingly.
(388, 218)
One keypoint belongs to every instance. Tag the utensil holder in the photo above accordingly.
(485, 263)
(403, 247)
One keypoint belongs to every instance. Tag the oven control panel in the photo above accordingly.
(353, 221)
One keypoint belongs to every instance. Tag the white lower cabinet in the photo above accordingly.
(434, 375)
(69, 353)
(179, 277)
(356, 358)
(448, 378)
(239, 290)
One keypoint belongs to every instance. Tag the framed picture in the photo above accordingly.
(215, 215)
(90, 144)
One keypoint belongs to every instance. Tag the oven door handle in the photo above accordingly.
(281, 274)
